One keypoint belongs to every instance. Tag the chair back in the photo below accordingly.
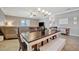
(23, 45)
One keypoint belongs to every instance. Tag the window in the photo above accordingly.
(25, 23)
(63, 21)
(75, 20)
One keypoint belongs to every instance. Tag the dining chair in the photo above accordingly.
(22, 44)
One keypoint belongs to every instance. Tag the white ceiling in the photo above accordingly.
(26, 11)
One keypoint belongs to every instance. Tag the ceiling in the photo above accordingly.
(26, 11)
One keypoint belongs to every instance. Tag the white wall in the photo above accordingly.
(34, 23)
(17, 20)
(74, 28)
(2, 18)
(47, 22)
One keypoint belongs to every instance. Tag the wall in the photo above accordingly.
(46, 22)
(17, 20)
(74, 28)
(34, 23)
(2, 18)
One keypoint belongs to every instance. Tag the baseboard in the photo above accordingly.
(74, 35)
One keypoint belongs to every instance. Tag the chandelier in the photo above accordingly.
(40, 13)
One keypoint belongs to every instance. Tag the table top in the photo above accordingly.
(27, 37)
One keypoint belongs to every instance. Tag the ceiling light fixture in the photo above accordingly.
(49, 13)
(40, 12)
(39, 9)
(43, 11)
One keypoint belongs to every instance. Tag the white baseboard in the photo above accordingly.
(74, 35)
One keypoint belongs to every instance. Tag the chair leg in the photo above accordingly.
(19, 49)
